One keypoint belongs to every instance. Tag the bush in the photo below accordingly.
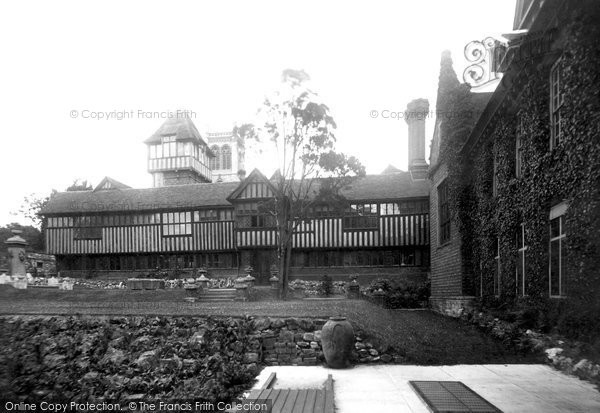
(400, 294)
(326, 286)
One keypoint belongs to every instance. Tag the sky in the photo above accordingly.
(80, 81)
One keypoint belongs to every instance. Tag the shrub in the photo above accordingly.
(326, 286)
(400, 294)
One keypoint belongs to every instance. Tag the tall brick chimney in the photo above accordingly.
(416, 113)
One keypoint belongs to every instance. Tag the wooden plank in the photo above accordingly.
(270, 380)
(320, 402)
(254, 394)
(300, 401)
(309, 404)
(290, 401)
(329, 394)
(278, 398)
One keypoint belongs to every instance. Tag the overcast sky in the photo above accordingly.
(217, 59)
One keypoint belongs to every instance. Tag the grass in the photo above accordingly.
(421, 337)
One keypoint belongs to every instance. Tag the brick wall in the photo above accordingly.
(446, 261)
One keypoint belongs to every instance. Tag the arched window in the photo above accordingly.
(215, 162)
(226, 157)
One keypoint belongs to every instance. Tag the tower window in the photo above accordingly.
(226, 157)
(215, 162)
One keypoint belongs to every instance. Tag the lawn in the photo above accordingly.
(421, 337)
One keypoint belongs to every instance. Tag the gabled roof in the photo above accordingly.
(255, 176)
(181, 126)
(391, 169)
(109, 183)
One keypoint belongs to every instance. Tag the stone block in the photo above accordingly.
(306, 325)
(269, 343)
(262, 323)
(315, 345)
(286, 336)
(317, 334)
(310, 360)
(309, 352)
(308, 337)
(251, 358)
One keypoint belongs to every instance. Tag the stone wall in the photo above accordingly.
(297, 341)
(453, 306)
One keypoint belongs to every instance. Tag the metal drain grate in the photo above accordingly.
(451, 397)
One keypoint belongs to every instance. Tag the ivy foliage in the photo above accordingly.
(568, 172)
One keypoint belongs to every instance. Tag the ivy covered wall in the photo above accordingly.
(570, 171)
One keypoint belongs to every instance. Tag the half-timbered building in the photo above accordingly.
(187, 221)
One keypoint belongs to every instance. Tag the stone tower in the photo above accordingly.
(227, 165)
(178, 154)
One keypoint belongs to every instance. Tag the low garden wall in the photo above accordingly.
(127, 358)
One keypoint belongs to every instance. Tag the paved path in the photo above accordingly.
(512, 388)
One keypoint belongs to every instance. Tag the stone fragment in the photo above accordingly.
(54, 360)
(198, 338)
(147, 360)
(261, 324)
(359, 346)
(286, 335)
(113, 356)
(306, 324)
(92, 375)
(292, 323)
(317, 334)
(251, 358)
(308, 337)
(277, 323)
(386, 358)
(373, 352)
(315, 345)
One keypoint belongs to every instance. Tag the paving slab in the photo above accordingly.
(385, 388)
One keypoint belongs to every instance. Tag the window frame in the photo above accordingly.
(521, 260)
(556, 102)
(444, 216)
(557, 212)
(358, 218)
(176, 223)
(519, 149)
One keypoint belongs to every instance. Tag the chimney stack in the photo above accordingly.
(416, 113)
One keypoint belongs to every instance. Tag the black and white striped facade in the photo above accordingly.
(118, 231)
